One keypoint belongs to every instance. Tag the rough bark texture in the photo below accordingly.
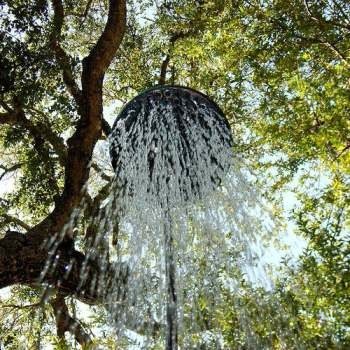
(70, 272)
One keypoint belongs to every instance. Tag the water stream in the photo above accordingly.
(180, 213)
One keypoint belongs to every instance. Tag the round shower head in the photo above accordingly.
(172, 141)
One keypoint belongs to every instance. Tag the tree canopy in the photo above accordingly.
(281, 73)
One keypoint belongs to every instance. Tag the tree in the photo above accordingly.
(279, 70)
(41, 97)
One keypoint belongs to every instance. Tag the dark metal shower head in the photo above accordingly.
(194, 125)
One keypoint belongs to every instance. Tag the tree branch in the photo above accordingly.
(5, 106)
(315, 41)
(321, 21)
(99, 171)
(88, 131)
(61, 267)
(12, 219)
(23, 258)
(164, 67)
(101, 55)
(11, 117)
(61, 56)
(54, 140)
(38, 131)
(106, 128)
(341, 10)
(95, 212)
(15, 306)
(336, 51)
(7, 170)
(346, 148)
(86, 11)
(66, 323)
(163, 70)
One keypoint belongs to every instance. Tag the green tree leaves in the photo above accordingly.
(280, 70)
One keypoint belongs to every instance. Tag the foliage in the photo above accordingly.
(280, 71)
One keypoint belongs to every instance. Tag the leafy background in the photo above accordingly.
(279, 70)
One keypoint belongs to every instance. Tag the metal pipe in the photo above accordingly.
(170, 270)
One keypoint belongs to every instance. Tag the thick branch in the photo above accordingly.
(24, 261)
(101, 55)
(23, 258)
(9, 117)
(88, 131)
(66, 323)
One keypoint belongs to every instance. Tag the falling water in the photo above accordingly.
(171, 149)
(180, 213)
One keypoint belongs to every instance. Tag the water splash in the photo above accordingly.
(172, 151)
(180, 213)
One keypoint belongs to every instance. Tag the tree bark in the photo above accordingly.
(69, 271)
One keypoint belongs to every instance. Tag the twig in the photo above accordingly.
(14, 306)
(346, 148)
(9, 169)
(321, 20)
(86, 11)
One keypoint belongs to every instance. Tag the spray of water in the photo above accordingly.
(179, 215)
